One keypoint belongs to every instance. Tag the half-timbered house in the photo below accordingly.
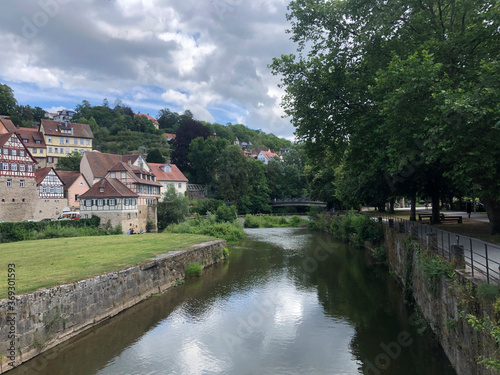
(18, 190)
(51, 200)
(115, 204)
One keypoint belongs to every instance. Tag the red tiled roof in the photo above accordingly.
(135, 172)
(8, 124)
(100, 163)
(32, 135)
(175, 175)
(169, 135)
(147, 116)
(112, 188)
(269, 154)
(68, 177)
(51, 127)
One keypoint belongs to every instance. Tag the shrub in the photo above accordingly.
(202, 207)
(225, 213)
(488, 292)
(225, 251)
(193, 269)
(231, 232)
(251, 221)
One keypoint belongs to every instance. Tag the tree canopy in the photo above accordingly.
(396, 91)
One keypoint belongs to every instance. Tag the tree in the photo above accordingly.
(383, 75)
(155, 156)
(173, 209)
(203, 157)
(188, 130)
(71, 162)
(233, 174)
(168, 120)
(7, 101)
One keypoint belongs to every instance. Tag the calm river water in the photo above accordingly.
(288, 301)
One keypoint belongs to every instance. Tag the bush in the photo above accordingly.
(488, 292)
(356, 228)
(202, 207)
(225, 213)
(193, 269)
(251, 221)
(231, 232)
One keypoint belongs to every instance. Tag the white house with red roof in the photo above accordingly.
(169, 174)
(265, 156)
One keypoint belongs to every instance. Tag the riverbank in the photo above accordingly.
(32, 323)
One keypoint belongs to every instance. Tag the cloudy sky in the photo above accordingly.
(208, 56)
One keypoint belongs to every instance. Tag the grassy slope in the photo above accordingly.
(46, 263)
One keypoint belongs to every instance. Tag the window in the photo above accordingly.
(40, 151)
(88, 142)
(56, 150)
(112, 202)
(50, 149)
(22, 167)
(123, 175)
(49, 159)
(13, 167)
(5, 166)
(128, 216)
(35, 150)
(126, 202)
(21, 183)
(76, 197)
(61, 140)
(51, 190)
(101, 190)
(179, 185)
(21, 152)
(76, 141)
(165, 185)
(100, 202)
(88, 203)
(81, 141)
(67, 150)
(49, 139)
(37, 141)
(30, 168)
(13, 152)
(25, 140)
(67, 140)
(112, 175)
(5, 151)
(44, 189)
(9, 183)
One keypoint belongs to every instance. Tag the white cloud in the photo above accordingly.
(209, 57)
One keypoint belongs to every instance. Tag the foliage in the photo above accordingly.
(232, 174)
(202, 207)
(7, 101)
(22, 231)
(225, 213)
(70, 163)
(231, 232)
(225, 252)
(398, 98)
(486, 325)
(356, 229)
(173, 209)
(188, 130)
(434, 269)
(268, 221)
(193, 269)
(488, 292)
(155, 156)
(203, 156)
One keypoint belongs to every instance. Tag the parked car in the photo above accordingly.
(48, 219)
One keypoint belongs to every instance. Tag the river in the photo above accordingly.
(288, 301)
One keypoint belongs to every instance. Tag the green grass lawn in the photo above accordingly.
(46, 263)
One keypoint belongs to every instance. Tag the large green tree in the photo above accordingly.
(70, 162)
(8, 102)
(203, 156)
(376, 83)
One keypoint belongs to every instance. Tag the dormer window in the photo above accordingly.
(101, 190)
(167, 168)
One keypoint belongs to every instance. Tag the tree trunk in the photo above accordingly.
(413, 207)
(391, 205)
(492, 207)
(436, 218)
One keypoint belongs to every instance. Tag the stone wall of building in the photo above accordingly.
(48, 317)
(48, 208)
(17, 203)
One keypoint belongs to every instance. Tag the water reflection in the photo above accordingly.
(289, 301)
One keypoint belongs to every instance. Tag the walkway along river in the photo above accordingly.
(288, 301)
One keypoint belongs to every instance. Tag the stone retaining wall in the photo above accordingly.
(49, 317)
(443, 306)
